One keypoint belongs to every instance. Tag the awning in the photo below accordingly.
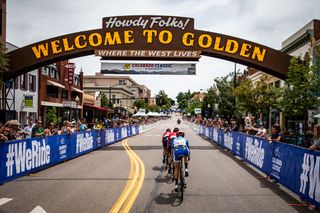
(55, 84)
(97, 108)
(76, 90)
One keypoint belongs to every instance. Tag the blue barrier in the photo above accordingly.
(294, 167)
(21, 157)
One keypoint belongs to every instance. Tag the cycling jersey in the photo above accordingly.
(172, 135)
(180, 147)
(165, 139)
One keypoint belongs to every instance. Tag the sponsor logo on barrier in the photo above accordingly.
(228, 140)
(124, 132)
(133, 129)
(276, 163)
(215, 135)
(26, 159)
(254, 152)
(63, 148)
(310, 176)
(207, 132)
(98, 140)
(84, 142)
(109, 136)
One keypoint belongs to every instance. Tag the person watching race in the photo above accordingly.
(165, 139)
(180, 148)
(172, 135)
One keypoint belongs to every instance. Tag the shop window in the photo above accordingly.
(24, 81)
(32, 83)
(52, 91)
(122, 82)
(77, 80)
(277, 84)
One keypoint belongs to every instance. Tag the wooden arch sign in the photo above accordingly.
(148, 38)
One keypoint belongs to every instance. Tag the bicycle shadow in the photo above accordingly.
(172, 199)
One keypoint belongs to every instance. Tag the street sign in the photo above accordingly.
(197, 110)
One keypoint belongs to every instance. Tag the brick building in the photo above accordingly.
(54, 91)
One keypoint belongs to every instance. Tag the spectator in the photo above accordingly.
(316, 133)
(83, 125)
(276, 135)
(16, 133)
(37, 130)
(261, 131)
(28, 129)
(51, 130)
(234, 126)
(4, 132)
(66, 128)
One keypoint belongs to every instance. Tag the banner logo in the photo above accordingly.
(25, 159)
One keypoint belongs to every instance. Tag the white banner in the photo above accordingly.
(148, 68)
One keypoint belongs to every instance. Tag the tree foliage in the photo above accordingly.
(4, 62)
(104, 100)
(301, 87)
(51, 116)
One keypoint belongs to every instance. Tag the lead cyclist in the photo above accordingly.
(180, 147)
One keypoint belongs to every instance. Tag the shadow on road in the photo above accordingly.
(168, 199)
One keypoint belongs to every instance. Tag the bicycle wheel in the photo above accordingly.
(182, 180)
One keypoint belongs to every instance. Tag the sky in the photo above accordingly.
(268, 22)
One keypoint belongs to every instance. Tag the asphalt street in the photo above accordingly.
(218, 181)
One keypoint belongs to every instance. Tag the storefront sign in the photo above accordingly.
(70, 67)
(28, 101)
(71, 104)
(148, 38)
(148, 68)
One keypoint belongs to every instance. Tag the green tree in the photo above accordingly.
(301, 87)
(51, 116)
(225, 87)
(140, 104)
(104, 100)
(4, 62)
(153, 108)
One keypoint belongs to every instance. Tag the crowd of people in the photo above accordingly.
(12, 130)
(248, 125)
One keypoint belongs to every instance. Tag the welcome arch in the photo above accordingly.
(174, 38)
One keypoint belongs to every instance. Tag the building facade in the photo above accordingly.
(121, 91)
(25, 94)
(55, 92)
(301, 42)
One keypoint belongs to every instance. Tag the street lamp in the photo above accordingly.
(77, 99)
(110, 104)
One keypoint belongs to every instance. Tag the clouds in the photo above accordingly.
(266, 22)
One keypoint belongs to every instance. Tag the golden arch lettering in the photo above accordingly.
(155, 33)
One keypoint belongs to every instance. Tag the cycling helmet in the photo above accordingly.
(168, 130)
(180, 134)
(176, 130)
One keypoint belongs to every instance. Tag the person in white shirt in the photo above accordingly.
(261, 131)
(28, 129)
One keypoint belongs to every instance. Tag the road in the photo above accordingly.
(218, 182)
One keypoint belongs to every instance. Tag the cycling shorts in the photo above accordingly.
(180, 152)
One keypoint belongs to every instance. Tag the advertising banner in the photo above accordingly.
(148, 68)
(296, 168)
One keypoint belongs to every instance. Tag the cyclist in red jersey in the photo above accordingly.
(172, 135)
(165, 140)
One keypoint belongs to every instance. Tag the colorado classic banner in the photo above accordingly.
(148, 68)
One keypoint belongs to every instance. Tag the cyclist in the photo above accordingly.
(165, 139)
(172, 135)
(180, 148)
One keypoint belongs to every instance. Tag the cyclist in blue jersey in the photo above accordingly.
(180, 148)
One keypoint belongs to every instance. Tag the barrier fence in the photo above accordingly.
(21, 157)
(294, 167)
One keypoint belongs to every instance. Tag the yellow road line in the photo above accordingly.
(134, 183)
